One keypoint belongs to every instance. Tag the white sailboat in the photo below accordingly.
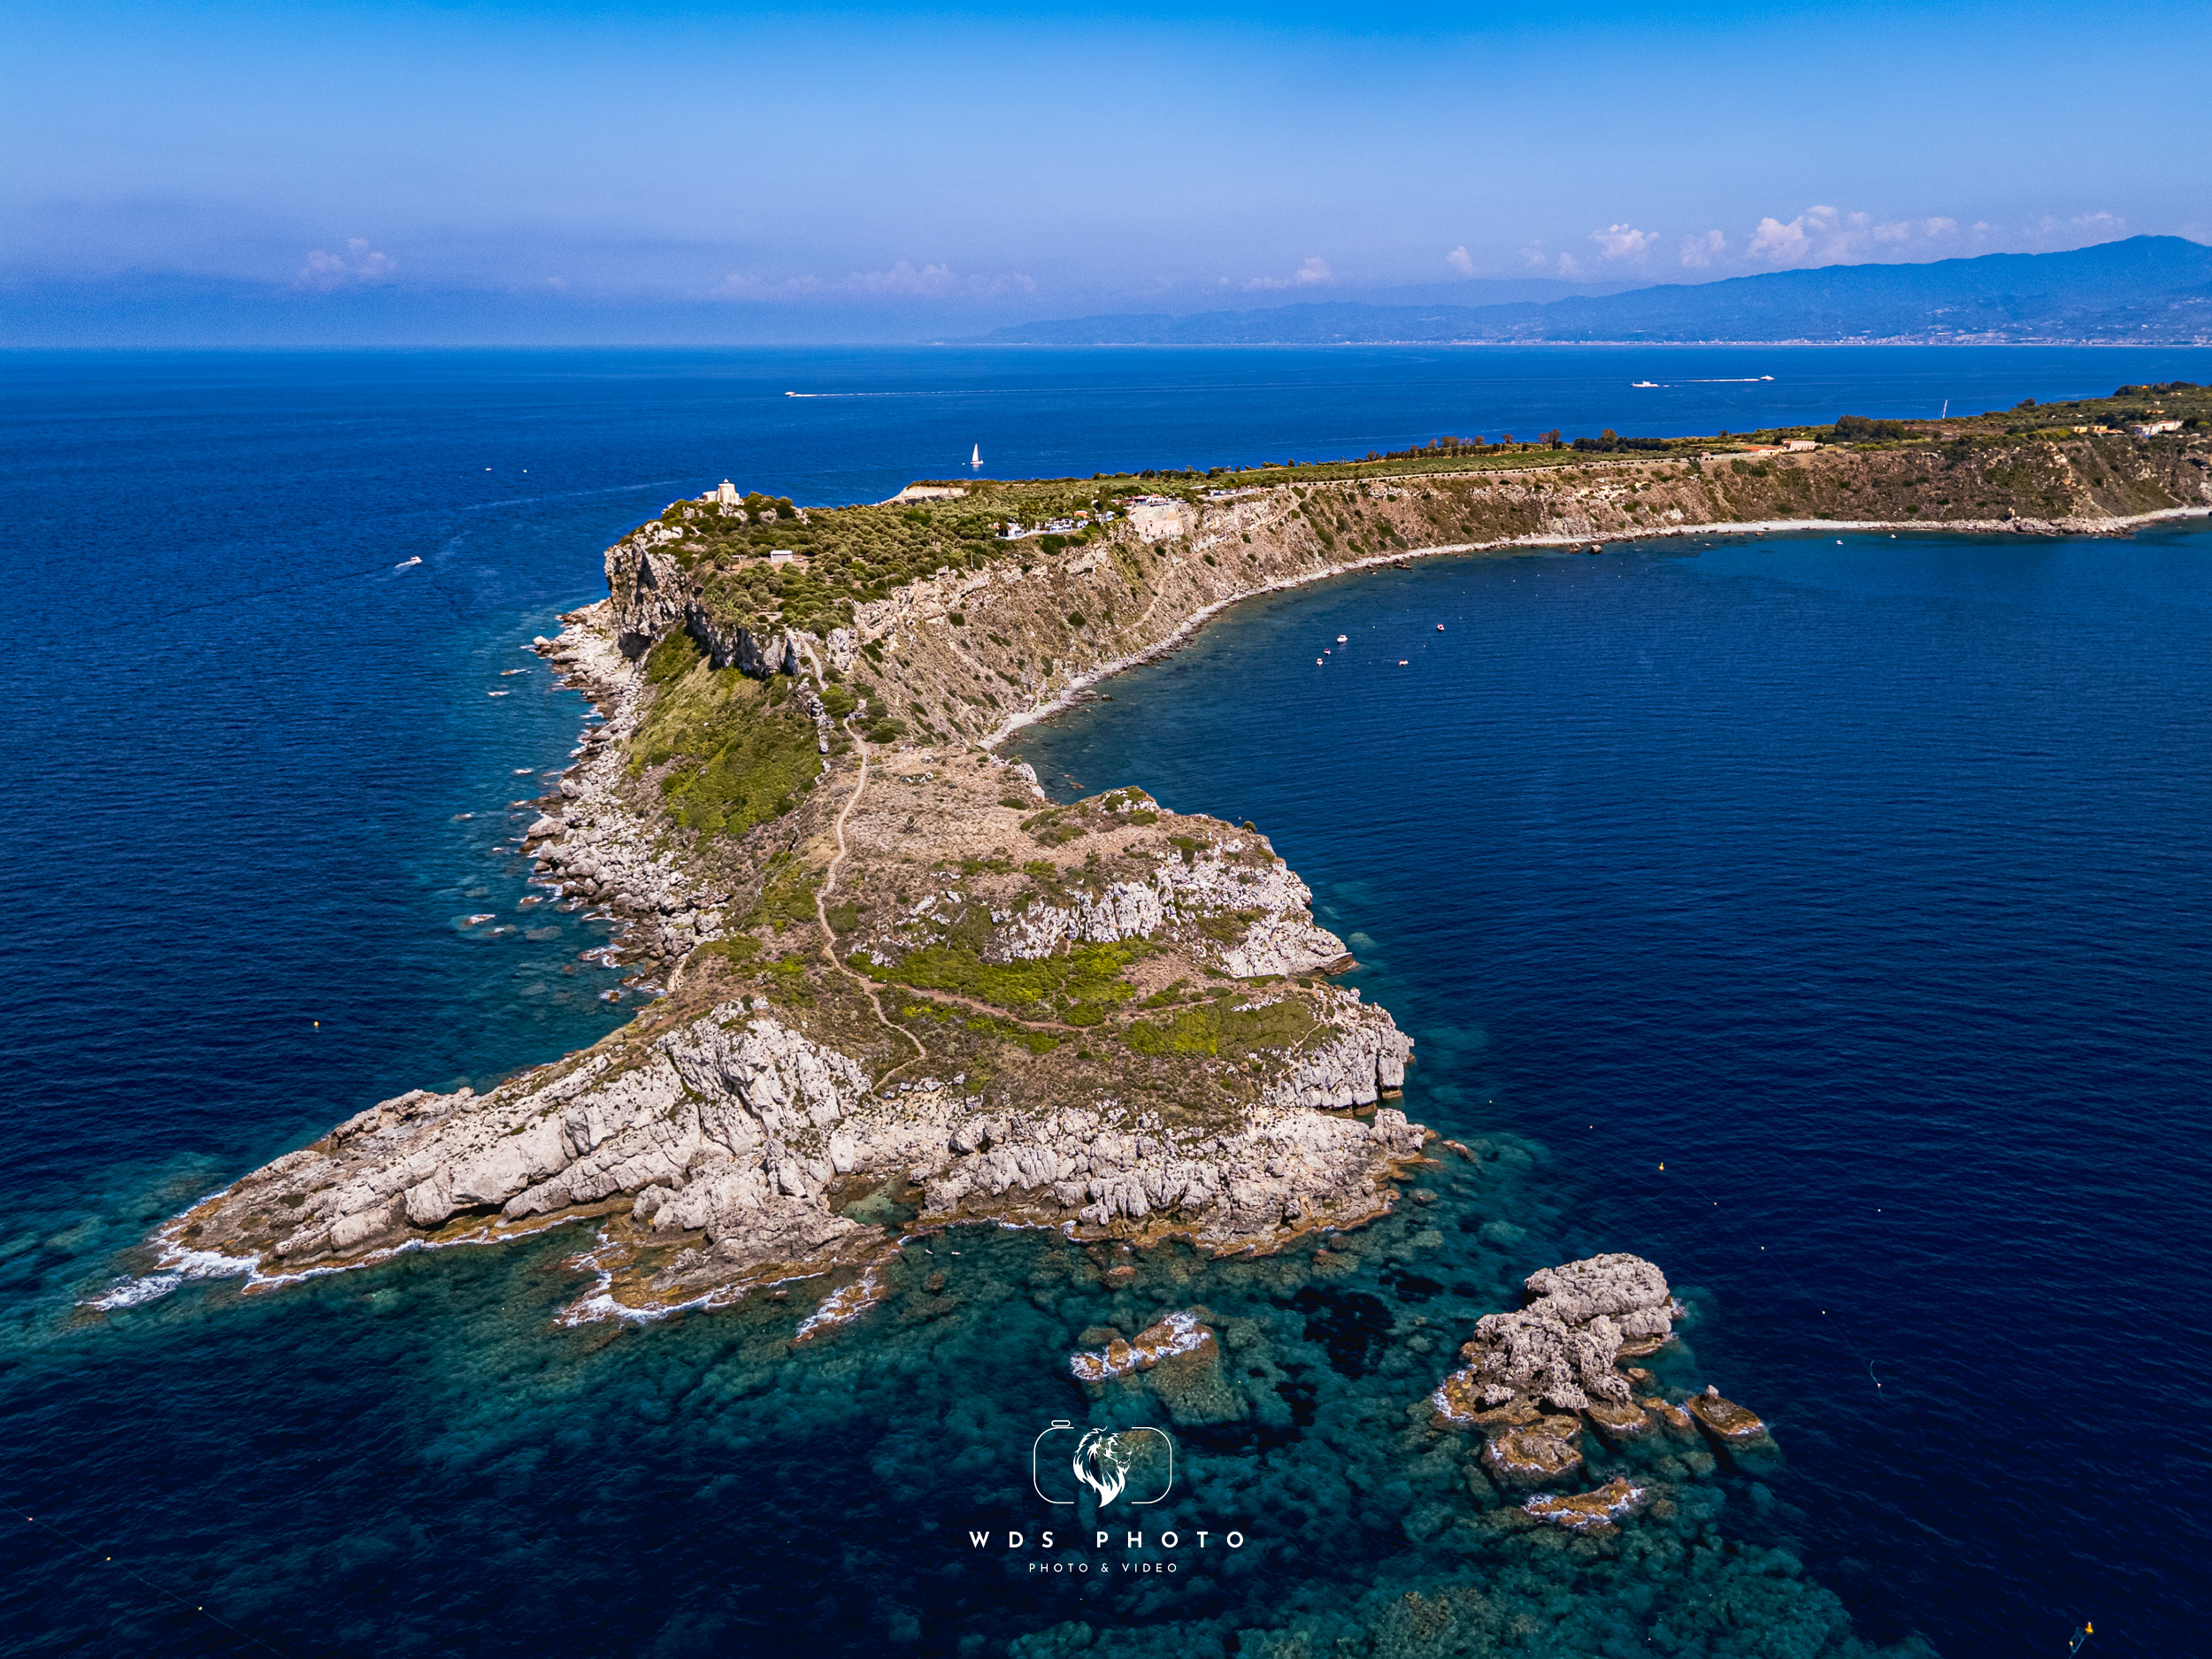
(977, 458)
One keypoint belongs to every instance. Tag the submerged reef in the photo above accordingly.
(1610, 1547)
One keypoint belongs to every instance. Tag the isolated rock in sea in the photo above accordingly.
(1618, 1424)
(1537, 1453)
(1598, 1512)
(1181, 1332)
(1181, 1360)
(1727, 1423)
(1561, 1349)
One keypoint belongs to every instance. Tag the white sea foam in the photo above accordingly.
(130, 1292)
(175, 1265)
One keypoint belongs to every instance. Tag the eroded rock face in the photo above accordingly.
(1536, 1376)
(1561, 1349)
(739, 1129)
(731, 1125)
(1287, 1167)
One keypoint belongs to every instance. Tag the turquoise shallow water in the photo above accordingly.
(1832, 914)
(1862, 886)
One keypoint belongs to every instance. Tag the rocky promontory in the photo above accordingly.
(899, 988)
(916, 994)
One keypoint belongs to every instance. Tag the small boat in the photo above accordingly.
(1440, 627)
(976, 459)
(1643, 386)
(1339, 639)
(403, 564)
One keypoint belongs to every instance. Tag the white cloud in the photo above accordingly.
(1822, 235)
(1702, 250)
(1313, 273)
(1624, 241)
(1539, 258)
(1459, 261)
(1795, 242)
(360, 263)
(2103, 223)
(929, 282)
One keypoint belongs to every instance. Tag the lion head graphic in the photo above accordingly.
(1101, 1462)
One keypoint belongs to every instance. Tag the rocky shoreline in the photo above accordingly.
(720, 1148)
(904, 990)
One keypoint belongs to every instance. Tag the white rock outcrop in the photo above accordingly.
(1560, 1349)
(738, 1127)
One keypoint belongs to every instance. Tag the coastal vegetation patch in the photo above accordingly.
(1078, 988)
(736, 751)
(1227, 1026)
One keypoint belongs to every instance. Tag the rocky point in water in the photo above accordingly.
(905, 991)
(1539, 1376)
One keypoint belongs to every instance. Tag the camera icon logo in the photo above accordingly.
(1135, 1465)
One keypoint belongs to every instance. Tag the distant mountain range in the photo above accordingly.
(2147, 290)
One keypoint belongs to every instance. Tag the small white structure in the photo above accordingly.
(2152, 428)
(1156, 518)
(781, 555)
(1795, 444)
(727, 494)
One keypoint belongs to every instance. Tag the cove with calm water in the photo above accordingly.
(1862, 886)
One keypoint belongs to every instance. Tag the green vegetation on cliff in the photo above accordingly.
(737, 751)
(1222, 1028)
(849, 555)
(1081, 988)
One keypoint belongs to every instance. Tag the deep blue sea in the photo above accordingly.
(1866, 886)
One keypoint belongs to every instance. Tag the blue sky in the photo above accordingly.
(999, 163)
